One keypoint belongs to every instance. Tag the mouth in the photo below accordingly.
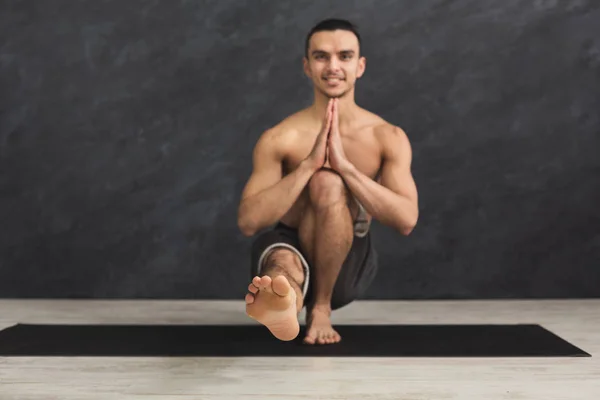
(333, 81)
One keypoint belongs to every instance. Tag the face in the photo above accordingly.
(333, 62)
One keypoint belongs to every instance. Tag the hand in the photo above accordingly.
(336, 157)
(317, 157)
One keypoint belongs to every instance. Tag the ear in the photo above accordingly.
(362, 65)
(305, 67)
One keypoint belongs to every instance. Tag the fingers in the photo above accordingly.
(328, 119)
(328, 112)
(327, 123)
(328, 126)
(335, 117)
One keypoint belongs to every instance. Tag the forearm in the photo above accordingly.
(270, 205)
(384, 205)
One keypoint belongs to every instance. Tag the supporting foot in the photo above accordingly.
(320, 330)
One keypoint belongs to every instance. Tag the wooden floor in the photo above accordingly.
(577, 321)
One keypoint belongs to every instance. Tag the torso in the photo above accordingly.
(361, 143)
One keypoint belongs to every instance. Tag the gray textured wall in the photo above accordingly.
(126, 131)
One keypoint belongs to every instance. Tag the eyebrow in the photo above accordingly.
(341, 51)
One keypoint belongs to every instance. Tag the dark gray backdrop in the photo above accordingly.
(127, 127)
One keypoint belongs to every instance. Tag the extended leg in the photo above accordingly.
(283, 261)
(275, 297)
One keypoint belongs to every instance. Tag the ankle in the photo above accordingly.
(323, 308)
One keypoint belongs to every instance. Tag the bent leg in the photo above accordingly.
(358, 272)
(326, 233)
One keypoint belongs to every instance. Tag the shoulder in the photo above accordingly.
(392, 135)
(393, 143)
(281, 136)
(391, 138)
(288, 127)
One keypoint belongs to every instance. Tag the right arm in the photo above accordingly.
(267, 197)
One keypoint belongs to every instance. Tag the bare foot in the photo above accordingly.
(272, 302)
(320, 330)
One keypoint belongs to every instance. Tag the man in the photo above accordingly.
(320, 176)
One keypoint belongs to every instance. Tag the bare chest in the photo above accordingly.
(360, 146)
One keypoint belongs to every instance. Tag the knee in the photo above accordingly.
(284, 259)
(326, 188)
(281, 256)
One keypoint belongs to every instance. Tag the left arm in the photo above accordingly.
(393, 201)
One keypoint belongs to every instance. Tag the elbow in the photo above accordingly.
(245, 224)
(246, 227)
(246, 230)
(407, 228)
(243, 221)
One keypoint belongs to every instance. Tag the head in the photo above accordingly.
(332, 58)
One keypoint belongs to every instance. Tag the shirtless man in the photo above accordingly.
(320, 176)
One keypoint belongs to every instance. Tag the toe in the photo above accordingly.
(249, 298)
(252, 288)
(257, 282)
(310, 338)
(266, 283)
(281, 286)
(321, 339)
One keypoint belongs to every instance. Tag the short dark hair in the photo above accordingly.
(331, 24)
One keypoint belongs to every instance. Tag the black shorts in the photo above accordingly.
(357, 272)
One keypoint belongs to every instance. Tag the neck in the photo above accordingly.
(347, 107)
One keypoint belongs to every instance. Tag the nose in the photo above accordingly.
(334, 64)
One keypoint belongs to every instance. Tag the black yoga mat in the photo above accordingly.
(256, 340)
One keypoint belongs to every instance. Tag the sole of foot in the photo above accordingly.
(272, 302)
